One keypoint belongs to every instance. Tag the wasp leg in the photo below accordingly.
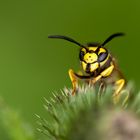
(104, 73)
(125, 92)
(74, 81)
(119, 86)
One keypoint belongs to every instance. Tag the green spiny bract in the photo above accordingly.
(91, 116)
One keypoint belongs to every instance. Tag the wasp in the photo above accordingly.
(98, 65)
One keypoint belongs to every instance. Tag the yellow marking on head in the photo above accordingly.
(84, 65)
(92, 48)
(90, 57)
(94, 66)
(101, 50)
(83, 50)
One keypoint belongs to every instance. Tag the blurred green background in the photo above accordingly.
(32, 66)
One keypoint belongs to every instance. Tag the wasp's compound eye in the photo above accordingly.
(81, 55)
(102, 56)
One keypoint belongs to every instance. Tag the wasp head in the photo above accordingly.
(93, 57)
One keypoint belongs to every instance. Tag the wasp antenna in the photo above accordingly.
(111, 37)
(66, 38)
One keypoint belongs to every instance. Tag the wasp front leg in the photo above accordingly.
(74, 81)
(104, 73)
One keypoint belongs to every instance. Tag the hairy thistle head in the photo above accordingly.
(84, 116)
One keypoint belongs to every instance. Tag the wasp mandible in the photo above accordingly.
(98, 64)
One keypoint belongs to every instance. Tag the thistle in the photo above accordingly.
(90, 115)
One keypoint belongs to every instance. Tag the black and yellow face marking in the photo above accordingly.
(93, 58)
(97, 62)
